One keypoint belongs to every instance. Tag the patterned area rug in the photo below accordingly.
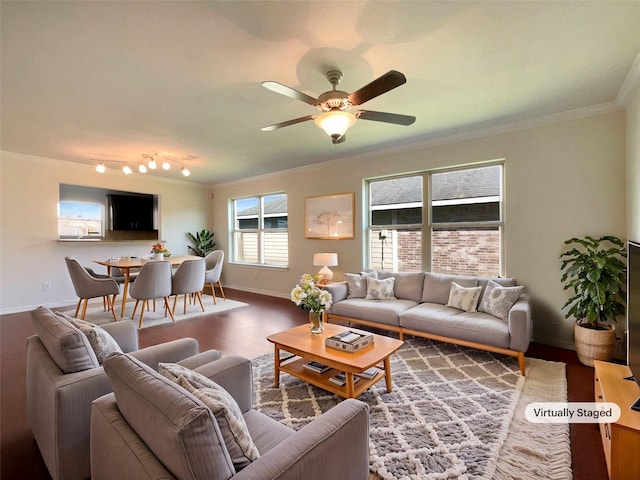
(448, 416)
(96, 314)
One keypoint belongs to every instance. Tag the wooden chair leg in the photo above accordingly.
(173, 310)
(213, 292)
(112, 307)
(166, 304)
(221, 289)
(135, 307)
(199, 297)
(145, 304)
(78, 307)
(184, 303)
(84, 307)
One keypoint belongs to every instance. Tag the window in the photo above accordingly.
(260, 234)
(80, 220)
(463, 225)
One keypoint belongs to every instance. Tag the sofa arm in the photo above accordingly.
(338, 291)
(520, 324)
(334, 445)
(235, 374)
(169, 352)
(125, 333)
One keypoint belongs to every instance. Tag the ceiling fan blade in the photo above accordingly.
(385, 117)
(287, 123)
(290, 92)
(380, 85)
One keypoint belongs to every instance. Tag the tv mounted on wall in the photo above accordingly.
(633, 313)
(132, 216)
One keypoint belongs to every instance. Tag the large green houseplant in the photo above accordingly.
(594, 269)
(202, 242)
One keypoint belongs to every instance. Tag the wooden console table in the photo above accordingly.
(621, 440)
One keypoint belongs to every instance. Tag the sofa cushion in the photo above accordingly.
(438, 285)
(464, 298)
(101, 341)
(357, 283)
(179, 429)
(498, 300)
(380, 289)
(67, 345)
(449, 322)
(383, 311)
(407, 285)
(230, 421)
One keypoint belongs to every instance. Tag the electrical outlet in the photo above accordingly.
(46, 286)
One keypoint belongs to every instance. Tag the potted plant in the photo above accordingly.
(594, 269)
(202, 242)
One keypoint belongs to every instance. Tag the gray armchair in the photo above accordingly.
(152, 428)
(64, 377)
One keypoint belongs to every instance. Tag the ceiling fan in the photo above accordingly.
(335, 106)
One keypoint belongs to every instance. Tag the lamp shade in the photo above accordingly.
(335, 122)
(325, 259)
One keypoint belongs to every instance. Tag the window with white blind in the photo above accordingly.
(260, 231)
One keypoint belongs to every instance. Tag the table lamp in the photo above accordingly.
(325, 260)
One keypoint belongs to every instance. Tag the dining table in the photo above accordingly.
(127, 264)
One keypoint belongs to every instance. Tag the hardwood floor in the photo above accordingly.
(243, 332)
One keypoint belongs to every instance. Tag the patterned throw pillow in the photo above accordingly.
(230, 421)
(173, 371)
(101, 341)
(380, 289)
(357, 283)
(498, 300)
(464, 298)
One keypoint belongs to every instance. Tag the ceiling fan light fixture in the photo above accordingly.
(335, 122)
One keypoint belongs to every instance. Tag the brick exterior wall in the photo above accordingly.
(475, 252)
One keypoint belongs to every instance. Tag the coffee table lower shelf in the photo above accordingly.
(295, 368)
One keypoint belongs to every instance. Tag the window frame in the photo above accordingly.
(427, 226)
(261, 231)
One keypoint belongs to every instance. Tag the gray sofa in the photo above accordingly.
(64, 376)
(155, 428)
(420, 308)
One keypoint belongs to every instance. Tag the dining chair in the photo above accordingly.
(213, 271)
(188, 280)
(153, 281)
(89, 286)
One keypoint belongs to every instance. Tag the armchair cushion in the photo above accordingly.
(179, 429)
(102, 343)
(66, 344)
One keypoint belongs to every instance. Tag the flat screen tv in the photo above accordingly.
(131, 212)
(633, 313)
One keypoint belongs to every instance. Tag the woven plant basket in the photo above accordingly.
(594, 344)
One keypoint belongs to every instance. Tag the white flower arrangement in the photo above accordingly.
(308, 296)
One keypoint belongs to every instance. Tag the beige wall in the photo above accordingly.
(30, 253)
(633, 168)
(562, 180)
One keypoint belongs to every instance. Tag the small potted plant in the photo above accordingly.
(594, 269)
(202, 242)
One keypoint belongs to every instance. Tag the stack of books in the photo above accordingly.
(349, 341)
(316, 367)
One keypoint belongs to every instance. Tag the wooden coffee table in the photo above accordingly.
(300, 342)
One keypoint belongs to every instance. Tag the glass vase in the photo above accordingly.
(316, 320)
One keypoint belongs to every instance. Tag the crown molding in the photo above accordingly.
(631, 84)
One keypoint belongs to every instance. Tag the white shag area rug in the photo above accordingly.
(96, 313)
(453, 413)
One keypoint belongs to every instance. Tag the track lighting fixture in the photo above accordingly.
(149, 162)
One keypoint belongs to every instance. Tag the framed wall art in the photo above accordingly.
(329, 217)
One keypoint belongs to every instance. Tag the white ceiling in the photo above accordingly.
(114, 80)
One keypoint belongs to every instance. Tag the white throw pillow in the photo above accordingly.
(101, 341)
(357, 283)
(380, 289)
(498, 300)
(464, 298)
